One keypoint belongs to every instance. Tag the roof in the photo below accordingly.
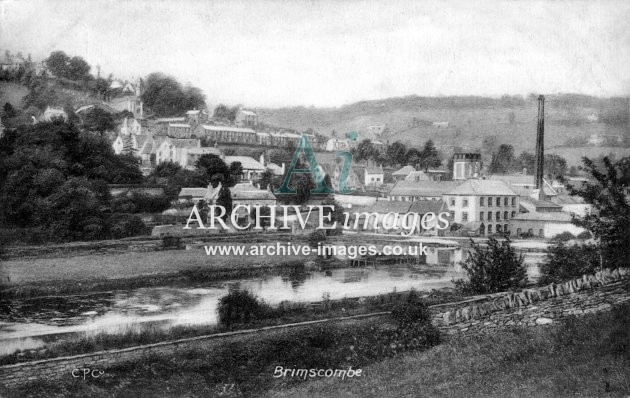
(170, 119)
(417, 176)
(482, 187)
(228, 128)
(389, 206)
(275, 169)
(193, 112)
(184, 142)
(472, 226)
(514, 179)
(558, 216)
(247, 190)
(422, 188)
(248, 163)
(248, 113)
(194, 192)
(179, 125)
(565, 199)
(204, 151)
(427, 206)
(404, 171)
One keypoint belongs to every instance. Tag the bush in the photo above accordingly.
(316, 237)
(240, 306)
(412, 312)
(584, 235)
(563, 237)
(567, 262)
(491, 269)
(126, 225)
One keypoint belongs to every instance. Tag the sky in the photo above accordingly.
(329, 53)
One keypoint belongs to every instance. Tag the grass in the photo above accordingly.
(583, 357)
(587, 356)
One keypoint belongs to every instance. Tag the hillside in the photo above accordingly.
(569, 118)
(12, 93)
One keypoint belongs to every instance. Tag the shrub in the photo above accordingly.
(564, 262)
(491, 269)
(240, 306)
(584, 235)
(316, 237)
(411, 312)
(125, 225)
(563, 237)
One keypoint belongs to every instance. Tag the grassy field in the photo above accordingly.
(125, 265)
(584, 357)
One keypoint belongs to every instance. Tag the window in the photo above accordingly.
(482, 201)
(541, 234)
(506, 228)
(498, 202)
(465, 203)
(489, 202)
(489, 229)
(464, 217)
(499, 228)
(513, 214)
(481, 216)
(513, 201)
(489, 216)
(530, 231)
(498, 215)
(518, 232)
(452, 201)
(505, 215)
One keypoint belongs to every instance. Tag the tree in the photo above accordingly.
(78, 69)
(214, 167)
(266, 179)
(99, 121)
(225, 113)
(527, 161)
(502, 160)
(413, 157)
(235, 171)
(610, 221)
(555, 166)
(564, 262)
(489, 144)
(365, 151)
(225, 199)
(429, 156)
(396, 153)
(165, 96)
(491, 269)
(57, 63)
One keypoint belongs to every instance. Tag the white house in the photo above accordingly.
(336, 144)
(176, 150)
(252, 169)
(491, 203)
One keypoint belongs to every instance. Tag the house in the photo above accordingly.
(492, 203)
(524, 185)
(130, 103)
(353, 181)
(52, 113)
(466, 165)
(337, 144)
(544, 225)
(246, 193)
(601, 139)
(194, 195)
(176, 150)
(275, 169)
(130, 126)
(179, 130)
(400, 174)
(382, 209)
(422, 207)
(252, 169)
(246, 118)
(228, 135)
(572, 204)
(370, 176)
(410, 191)
(440, 124)
(417, 176)
(376, 130)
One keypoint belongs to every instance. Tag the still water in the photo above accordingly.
(33, 323)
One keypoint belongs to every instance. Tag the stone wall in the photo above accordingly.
(530, 307)
(538, 306)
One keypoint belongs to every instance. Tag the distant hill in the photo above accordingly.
(569, 118)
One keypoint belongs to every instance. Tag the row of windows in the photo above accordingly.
(482, 201)
(506, 201)
(499, 229)
(481, 216)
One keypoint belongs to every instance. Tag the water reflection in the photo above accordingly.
(33, 323)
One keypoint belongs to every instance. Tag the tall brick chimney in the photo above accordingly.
(540, 144)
